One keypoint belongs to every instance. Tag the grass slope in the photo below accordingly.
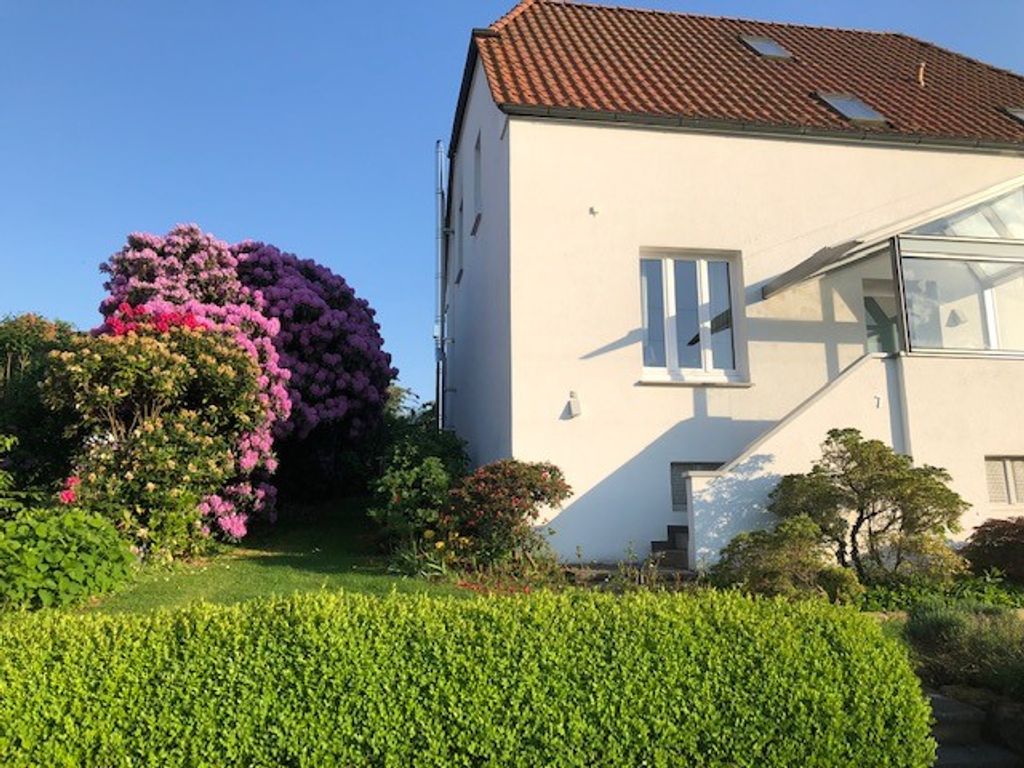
(327, 548)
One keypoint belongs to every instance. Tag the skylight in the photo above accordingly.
(852, 108)
(1016, 112)
(766, 47)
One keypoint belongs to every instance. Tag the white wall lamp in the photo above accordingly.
(575, 409)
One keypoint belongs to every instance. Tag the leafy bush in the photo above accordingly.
(579, 679)
(790, 561)
(57, 557)
(988, 590)
(958, 642)
(420, 468)
(998, 544)
(883, 516)
(491, 513)
(45, 443)
(164, 404)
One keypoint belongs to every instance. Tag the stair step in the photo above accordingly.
(673, 558)
(679, 535)
(976, 756)
(956, 723)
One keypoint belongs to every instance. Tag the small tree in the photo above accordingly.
(883, 516)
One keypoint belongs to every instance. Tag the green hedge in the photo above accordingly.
(577, 679)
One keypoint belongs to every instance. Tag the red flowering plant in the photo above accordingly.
(491, 514)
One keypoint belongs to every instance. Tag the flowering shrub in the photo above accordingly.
(316, 344)
(491, 512)
(329, 341)
(56, 557)
(166, 402)
(191, 273)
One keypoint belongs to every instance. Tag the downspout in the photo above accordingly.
(439, 295)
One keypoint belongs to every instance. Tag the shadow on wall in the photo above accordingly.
(631, 505)
(827, 331)
(730, 504)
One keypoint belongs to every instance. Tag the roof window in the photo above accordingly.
(852, 108)
(1016, 112)
(766, 47)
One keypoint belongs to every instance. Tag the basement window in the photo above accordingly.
(852, 108)
(1005, 475)
(765, 46)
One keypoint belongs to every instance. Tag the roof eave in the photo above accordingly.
(762, 129)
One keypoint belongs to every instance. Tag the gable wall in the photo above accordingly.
(478, 351)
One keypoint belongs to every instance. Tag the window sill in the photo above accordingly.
(665, 380)
(967, 354)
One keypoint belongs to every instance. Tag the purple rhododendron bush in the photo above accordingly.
(208, 357)
(331, 346)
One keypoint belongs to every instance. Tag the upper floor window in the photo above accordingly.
(478, 187)
(689, 327)
(460, 244)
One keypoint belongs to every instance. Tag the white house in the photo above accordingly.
(680, 249)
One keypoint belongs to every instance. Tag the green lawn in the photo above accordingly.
(312, 549)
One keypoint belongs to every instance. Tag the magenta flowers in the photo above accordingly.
(328, 341)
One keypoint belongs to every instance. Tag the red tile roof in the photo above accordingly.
(574, 59)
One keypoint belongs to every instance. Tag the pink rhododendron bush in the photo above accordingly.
(210, 358)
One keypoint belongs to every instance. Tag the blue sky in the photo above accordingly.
(310, 125)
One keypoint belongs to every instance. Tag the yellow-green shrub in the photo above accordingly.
(575, 679)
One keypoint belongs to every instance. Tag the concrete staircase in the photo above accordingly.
(959, 730)
(674, 551)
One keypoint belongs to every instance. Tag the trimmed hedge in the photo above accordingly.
(577, 679)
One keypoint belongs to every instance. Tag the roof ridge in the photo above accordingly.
(525, 4)
(972, 59)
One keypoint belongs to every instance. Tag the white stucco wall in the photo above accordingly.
(478, 400)
(584, 201)
(960, 410)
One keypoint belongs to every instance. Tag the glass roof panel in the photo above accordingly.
(1001, 219)
(766, 46)
(852, 108)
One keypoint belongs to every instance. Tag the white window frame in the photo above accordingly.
(707, 373)
(1013, 500)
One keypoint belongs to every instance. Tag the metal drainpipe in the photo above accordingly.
(439, 276)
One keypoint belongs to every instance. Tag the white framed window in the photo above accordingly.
(1005, 475)
(690, 317)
